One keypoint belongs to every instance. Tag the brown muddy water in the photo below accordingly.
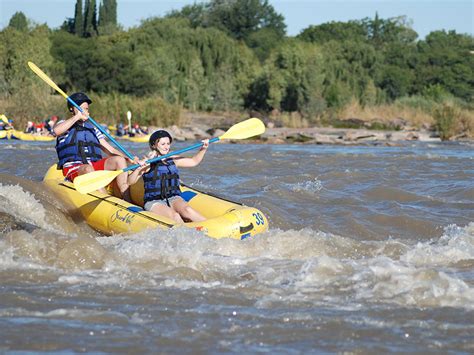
(370, 249)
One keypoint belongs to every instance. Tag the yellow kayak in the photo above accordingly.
(4, 134)
(136, 139)
(28, 136)
(111, 215)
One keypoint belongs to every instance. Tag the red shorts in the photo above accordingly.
(71, 172)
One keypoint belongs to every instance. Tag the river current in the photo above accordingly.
(370, 250)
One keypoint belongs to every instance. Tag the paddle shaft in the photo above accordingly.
(161, 157)
(100, 128)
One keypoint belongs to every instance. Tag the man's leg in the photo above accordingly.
(119, 163)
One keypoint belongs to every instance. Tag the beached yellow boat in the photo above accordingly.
(111, 215)
(136, 139)
(14, 134)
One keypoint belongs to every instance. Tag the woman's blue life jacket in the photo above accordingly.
(79, 145)
(161, 181)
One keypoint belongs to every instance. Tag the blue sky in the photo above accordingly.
(426, 15)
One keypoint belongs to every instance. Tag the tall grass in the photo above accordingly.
(415, 116)
(449, 116)
(38, 104)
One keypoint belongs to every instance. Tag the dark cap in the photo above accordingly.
(79, 98)
(157, 135)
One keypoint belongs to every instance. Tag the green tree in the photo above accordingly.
(239, 18)
(445, 59)
(262, 42)
(93, 64)
(334, 31)
(292, 80)
(24, 93)
(78, 19)
(90, 19)
(395, 81)
(192, 66)
(68, 25)
(19, 22)
(107, 23)
(350, 66)
(381, 32)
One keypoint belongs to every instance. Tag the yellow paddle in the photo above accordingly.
(95, 180)
(51, 83)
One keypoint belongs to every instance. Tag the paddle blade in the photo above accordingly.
(46, 78)
(95, 180)
(246, 129)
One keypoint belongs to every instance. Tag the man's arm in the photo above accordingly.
(64, 126)
(110, 150)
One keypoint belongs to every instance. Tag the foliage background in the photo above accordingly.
(234, 56)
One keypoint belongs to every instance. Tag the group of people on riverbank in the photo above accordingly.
(46, 127)
(41, 128)
(130, 130)
(38, 128)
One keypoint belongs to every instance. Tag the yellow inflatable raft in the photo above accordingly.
(136, 139)
(28, 136)
(111, 215)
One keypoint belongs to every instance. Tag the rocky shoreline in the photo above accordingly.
(315, 135)
(196, 127)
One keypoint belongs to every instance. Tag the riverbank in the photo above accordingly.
(196, 127)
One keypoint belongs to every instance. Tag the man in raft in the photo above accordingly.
(79, 144)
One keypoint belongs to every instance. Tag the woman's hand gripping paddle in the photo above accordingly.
(51, 83)
(97, 179)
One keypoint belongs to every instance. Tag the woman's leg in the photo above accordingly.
(186, 211)
(166, 211)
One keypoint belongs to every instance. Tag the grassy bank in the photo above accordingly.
(450, 117)
(38, 105)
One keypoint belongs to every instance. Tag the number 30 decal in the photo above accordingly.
(258, 219)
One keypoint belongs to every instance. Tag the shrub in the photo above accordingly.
(446, 117)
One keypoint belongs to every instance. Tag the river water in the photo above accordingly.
(370, 249)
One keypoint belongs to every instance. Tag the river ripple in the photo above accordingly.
(370, 249)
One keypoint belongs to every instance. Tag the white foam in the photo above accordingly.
(456, 244)
(70, 313)
(311, 186)
(389, 280)
(22, 205)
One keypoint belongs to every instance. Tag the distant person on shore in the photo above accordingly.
(105, 127)
(40, 128)
(49, 124)
(144, 130)
(5, 123)
(30, 127)
(79, 146)
(137, 131)
(161, 180)
(120, 130)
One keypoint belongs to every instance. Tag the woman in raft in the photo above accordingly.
(161, 180)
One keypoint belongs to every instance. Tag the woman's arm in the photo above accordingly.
(135, 175)
(195, 160)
